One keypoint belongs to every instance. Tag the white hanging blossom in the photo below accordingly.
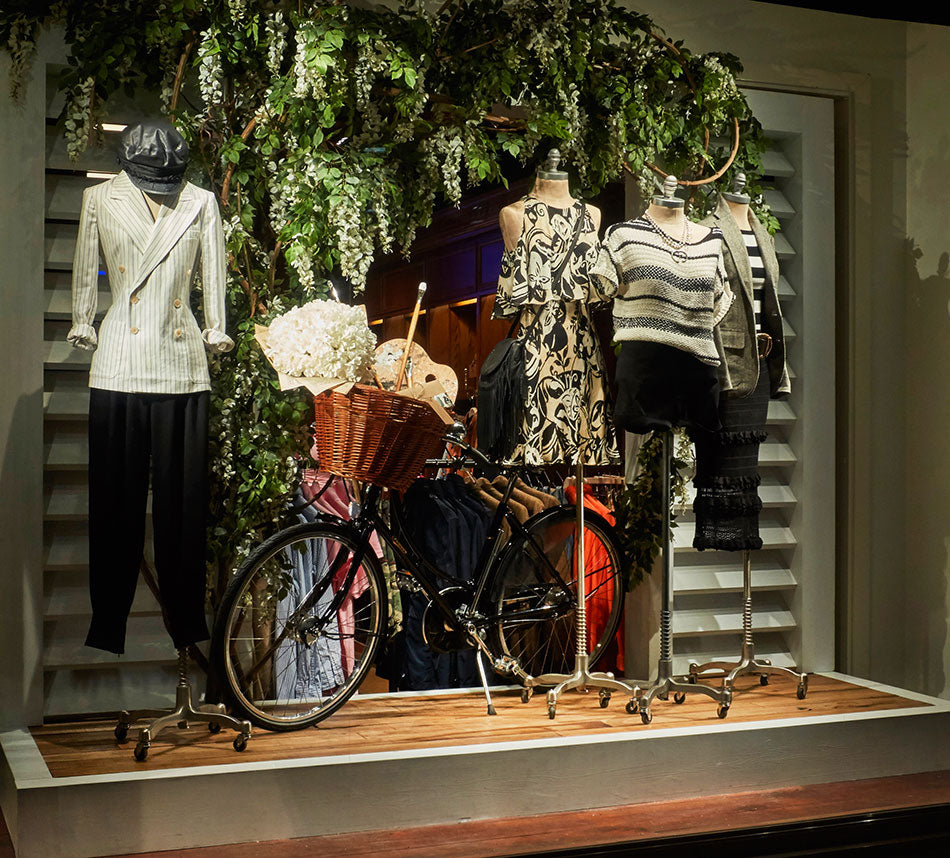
(308, 79)
(372, 60)
(443, 157)
(725, 89)
(353, 240)
(238, 9)
(323, 339)
(79, 118)
(275, 28)
(210, 71)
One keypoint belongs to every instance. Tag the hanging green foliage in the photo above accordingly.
(331, 132)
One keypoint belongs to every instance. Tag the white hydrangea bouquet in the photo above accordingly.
(321, 345)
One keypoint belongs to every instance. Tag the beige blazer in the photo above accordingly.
(149, 340)
(737, 329)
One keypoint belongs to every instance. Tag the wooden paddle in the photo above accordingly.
(412, 332)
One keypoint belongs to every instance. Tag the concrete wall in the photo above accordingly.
(22, 150)
(927, 295)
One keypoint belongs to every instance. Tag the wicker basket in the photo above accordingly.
(375, 436)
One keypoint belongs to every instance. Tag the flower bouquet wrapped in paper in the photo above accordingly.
(322, 345)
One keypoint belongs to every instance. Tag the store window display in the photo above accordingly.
(149, 378)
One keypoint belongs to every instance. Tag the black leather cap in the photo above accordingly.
(154, 156)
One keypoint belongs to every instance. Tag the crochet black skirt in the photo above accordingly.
(659, 387)
(727, 501)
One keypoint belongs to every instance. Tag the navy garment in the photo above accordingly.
(448, 525)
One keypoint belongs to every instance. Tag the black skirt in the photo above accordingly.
(727, 501)
(659, 387)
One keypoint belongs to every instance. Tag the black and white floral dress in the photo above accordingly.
(566, 409)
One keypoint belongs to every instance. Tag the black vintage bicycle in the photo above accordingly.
(301, 623)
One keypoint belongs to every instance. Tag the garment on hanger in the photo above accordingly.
(336, 501)
(448, 525)
(727, 502)
(599, 599)
(301, 671)
(668, 301)
(566, 408)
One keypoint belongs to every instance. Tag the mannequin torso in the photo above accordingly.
(553, 192)
(156, 201)
(740, 214)
(674, 222)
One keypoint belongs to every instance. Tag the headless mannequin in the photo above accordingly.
(551, 187)
(668, 212)
(738, 202)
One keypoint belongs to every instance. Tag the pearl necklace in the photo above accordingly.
(674, 246)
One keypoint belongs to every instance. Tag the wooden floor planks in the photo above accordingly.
(416, 723)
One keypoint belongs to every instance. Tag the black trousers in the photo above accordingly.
(127, 432)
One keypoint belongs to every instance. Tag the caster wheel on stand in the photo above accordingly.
(121, 732)
(679, 697)
(763, 679)
(240, 743)
(140, 753)
(604, 699)
(646, 716)
(802, 691)
(723, 710)
(214, 727)
(552, 711)
(632, 707)
(526, 694)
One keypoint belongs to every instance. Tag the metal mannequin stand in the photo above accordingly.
(748, 662)
(665, 681)
(582, 678)
(215, 716)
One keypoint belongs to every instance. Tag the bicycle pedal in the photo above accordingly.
(405, 583)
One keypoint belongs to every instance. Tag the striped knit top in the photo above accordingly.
(663, 294)
(758, 275)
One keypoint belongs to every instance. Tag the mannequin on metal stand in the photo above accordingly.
(666, 214)
(736, 202)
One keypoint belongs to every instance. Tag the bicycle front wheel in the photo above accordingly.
(534, 595)
(299, 626)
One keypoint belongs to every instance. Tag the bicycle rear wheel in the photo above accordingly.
(299, 626)
(534, 595)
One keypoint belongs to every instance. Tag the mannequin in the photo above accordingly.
(551, 186)
(149, 382)
(546, 284)
(670, 293)
(727, 503)
(738, 201)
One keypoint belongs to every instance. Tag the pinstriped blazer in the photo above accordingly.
(149, 340)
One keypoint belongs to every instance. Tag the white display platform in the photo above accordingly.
(77, 817)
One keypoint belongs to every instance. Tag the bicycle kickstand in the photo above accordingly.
(480, 661)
